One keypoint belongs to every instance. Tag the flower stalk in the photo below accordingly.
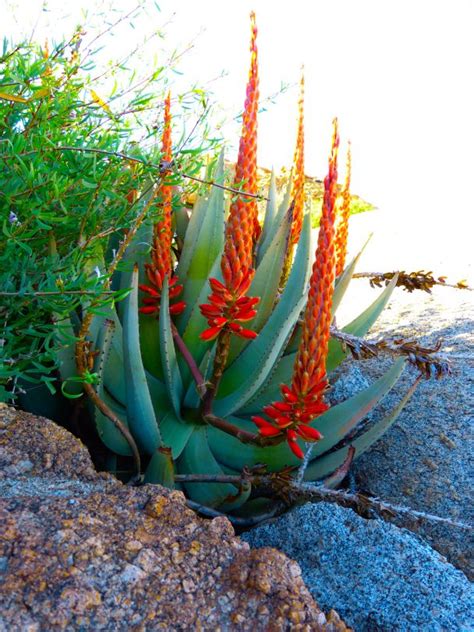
(303, 401)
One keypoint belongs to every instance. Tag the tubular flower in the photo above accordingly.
(298, 166)
(228, 306)
(343, 218)
(160, 265)
(303, 401)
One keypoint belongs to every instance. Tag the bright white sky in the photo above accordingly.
(397, 73)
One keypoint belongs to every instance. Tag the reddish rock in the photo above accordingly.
(82, 551)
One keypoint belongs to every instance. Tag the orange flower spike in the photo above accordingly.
(161, 264)
(242, 229)
(162, 232)
(242, 225)
(310, 364)
(298, 166)
(343, 217)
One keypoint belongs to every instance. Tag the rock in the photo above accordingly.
(426, 460)
(346, 382)
(379, 577)
(81, 551)
(36, 446)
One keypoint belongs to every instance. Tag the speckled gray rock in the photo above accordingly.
(379, 577)
(426, 460)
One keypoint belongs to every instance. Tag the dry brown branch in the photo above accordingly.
(411, 281)
(426, 359)
(292, 492)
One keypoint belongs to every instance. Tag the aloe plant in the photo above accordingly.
(218, 359)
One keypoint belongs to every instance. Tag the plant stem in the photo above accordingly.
(160, 167)
(188, 358)
(242, 435)
(222, 353)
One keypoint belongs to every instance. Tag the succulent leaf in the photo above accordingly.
(206, 248)
(329, 463)
(279, 218)
(140, 413)
(160, 470)
(172, 376)
(197, 458)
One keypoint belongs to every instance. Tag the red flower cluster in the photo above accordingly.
(228, 308)
(304, 400)
(292, 416)
(151, 303)
(160, 265)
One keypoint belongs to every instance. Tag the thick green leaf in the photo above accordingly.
(67, 358)
(175, 433)
(206, 247)
(278, 218)
(140, 412)
(270, 391)
(181, 221)
(114, 371)
(160, 470)
(250, 370)
(172, 376)
(196, 219)
(197, 324)
(327, 464)
(197, 458)
(107, 431)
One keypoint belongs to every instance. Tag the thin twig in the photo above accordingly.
(311, 491)
(61, 293)
(162, 167)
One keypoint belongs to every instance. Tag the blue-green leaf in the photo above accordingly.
(140, 412)
(197, 458)
(327, 464)
(200, 255)
(172, 376)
